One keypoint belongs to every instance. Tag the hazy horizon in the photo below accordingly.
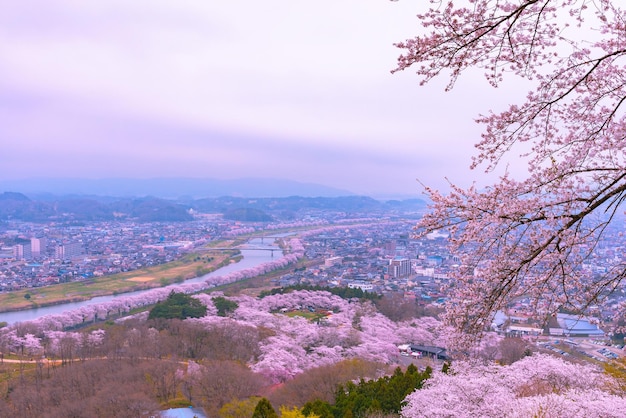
(175, 187)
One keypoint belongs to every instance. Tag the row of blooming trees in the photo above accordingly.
(122, 305)
(63, 345)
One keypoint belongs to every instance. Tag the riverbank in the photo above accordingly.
(190, 266)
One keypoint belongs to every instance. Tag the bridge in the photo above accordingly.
(315, 237)
(244, 249)
(262, 237)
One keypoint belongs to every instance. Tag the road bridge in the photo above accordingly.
(245, 249)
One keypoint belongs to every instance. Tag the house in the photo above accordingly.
(438, 353)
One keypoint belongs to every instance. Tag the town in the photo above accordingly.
(394, 285)
(379, 255)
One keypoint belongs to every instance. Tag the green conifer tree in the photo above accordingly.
(264, 409)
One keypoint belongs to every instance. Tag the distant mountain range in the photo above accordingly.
(284, 206)
(147, 209)
(169, 188)
(170, 199)
(74, 208)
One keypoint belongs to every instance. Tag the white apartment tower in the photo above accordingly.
(400, 267)
(22, 252)
(69, 251)
(38, 246)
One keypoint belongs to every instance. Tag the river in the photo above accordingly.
(252, 257)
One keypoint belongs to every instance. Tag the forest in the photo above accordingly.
(153, 360)
(270, 351)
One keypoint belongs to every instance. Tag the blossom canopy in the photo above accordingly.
(532, 237)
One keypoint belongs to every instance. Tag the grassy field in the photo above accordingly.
(311, 316)
(190, 266)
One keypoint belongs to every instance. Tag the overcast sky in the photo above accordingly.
(229, 89)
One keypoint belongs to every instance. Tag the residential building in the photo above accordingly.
(400, 267)
(69, 251)
(22, 252)
(38, 246)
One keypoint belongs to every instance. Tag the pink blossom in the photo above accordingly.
(540, 384)
(528, 235)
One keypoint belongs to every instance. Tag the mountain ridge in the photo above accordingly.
(170, 187)
(18, 206)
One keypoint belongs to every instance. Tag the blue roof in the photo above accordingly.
(578, 325)
(183, 413)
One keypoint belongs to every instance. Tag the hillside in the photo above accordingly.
(310, 350)
(19, 207)
(151, 209)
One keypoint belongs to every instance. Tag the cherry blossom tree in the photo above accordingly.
(281, 360)
(530, 236)
(425, 330)
(540, 385)
(354, 330)
(28, 344)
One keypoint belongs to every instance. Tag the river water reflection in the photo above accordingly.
(253, 255)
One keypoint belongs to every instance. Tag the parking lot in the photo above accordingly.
(596, 350)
